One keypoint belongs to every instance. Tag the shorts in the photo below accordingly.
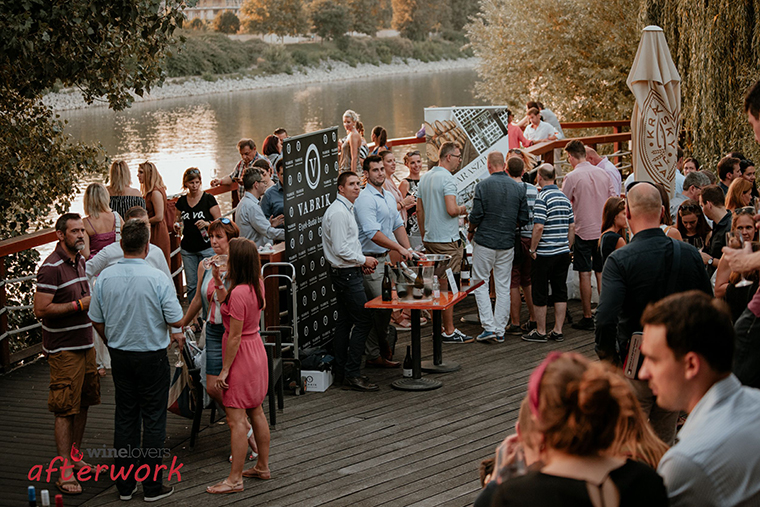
(454, 249)
(586, 256)
(214, 334)
(521, 271)
(74, 381)
(552, 270)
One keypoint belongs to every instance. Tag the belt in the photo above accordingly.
(376, 255)
(346, 269)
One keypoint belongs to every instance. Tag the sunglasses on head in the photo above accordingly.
(193, 171)
(747, 210)
(413, 154)
(515, 150)
(690, 207)
(224, 220)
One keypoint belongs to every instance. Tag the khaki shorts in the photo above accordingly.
(454, 249)
(74, 381)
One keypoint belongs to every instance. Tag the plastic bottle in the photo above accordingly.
(436, 288)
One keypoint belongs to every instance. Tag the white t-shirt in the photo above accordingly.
(539, 133)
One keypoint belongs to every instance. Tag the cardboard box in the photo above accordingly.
(317, 381)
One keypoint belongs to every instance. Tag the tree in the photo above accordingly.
(574, 56)
(108, 49)
(226, 22)
(197, 24)
(716, 47)
(283, 17)
(414, 18)
(329, 18)
(362, 20)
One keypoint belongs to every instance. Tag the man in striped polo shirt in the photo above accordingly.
(61, 301)
(553, 236)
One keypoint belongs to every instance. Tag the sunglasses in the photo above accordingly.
(747, 210)
(193, 171)
(515, 150)
(690, 207)
(413, 154)
(224, 220)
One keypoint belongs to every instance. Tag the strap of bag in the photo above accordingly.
(674, 267)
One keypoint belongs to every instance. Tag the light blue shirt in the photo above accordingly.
(434, 186)
(253, 224)
(135, 301)
(375, 212)
(716, 461)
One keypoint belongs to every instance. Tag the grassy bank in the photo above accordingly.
(209, 54)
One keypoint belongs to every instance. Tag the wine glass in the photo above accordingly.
(736, 240)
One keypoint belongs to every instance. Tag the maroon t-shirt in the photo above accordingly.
(65, 279)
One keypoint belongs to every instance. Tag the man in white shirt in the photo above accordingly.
(340, 241)
(688, 348)
(692, 189)
(249, 216)
(604, 163)
(539, 131)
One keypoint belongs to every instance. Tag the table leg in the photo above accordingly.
(437, 365)
(416, 383)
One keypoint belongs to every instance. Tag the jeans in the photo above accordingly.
(141, 382)
(349, 343)
(190, 261)
(500, 261)
(373, 286)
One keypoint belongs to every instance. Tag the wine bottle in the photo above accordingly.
(419, 286)
(408, 273)
(464, 274)
(436, 288)
(387, 289)
(401, 284)
(32, 495)
(407, 373)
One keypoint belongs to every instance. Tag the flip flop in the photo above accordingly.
(253, 473)
(60, 485)
(224, 487)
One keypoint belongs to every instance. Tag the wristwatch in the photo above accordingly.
(710, 261)
(531, 251)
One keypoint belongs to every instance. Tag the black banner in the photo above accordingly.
(311, 184)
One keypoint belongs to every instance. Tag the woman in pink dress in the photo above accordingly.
(244, 378)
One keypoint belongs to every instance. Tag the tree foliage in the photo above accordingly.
(716, 47)
(414, 19)
(573, 55)
(362, 18)
(329, 18)
(226, 22)
(280, 17)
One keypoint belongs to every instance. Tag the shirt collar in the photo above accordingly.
(132, 261)
(345, 201)
(64, 255)
(249, 195)
(549, 187)
(714, 396)
(372, 190)
(648, 233)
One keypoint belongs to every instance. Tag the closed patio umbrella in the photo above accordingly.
(655, 123)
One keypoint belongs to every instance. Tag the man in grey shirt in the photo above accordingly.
(249, 216)
(688, 349)
(499, 208)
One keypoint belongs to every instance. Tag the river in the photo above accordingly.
(203, 131)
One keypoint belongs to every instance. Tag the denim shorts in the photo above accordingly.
(214, 334)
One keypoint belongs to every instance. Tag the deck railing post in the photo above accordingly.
(5, 349)
(616, 145)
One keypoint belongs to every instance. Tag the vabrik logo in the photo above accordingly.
(312, 166)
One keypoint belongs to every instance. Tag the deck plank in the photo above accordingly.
(338, 448)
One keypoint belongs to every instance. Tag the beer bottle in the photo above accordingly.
(419, 286)
(387, 289)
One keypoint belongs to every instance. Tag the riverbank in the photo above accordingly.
(327, 71)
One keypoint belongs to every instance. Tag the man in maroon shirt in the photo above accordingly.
(61, 301)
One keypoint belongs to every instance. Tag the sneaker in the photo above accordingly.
(586, 324)
(514, 330)
(165, 491)
(535, 336)
(457, 337)
(529, 326)
(557, 337)
(128, 497)
(498, 338)
(486, 336)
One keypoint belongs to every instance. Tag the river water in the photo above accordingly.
(203, 131)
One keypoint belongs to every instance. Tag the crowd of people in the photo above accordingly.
(589, 433)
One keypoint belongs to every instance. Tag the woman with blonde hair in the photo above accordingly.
(154, 193)
(123, 196)
(739, 194)
(349, 149)
(101, 223)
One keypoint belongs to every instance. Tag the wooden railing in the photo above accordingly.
(46, 236)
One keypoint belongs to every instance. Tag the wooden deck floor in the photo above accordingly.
(337, 448)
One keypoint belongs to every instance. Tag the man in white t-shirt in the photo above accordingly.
(538, 131)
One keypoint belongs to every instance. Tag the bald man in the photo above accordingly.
(643, 272)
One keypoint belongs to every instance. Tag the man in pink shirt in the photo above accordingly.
(588, 187)
(515, 134)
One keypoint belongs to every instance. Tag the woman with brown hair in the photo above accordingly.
(613, 227)
(692, 224)
(154, 192)
(577, 406)
(272, 149)
(408, 187)
(666, 221)
(728, 284)
(123, 196)
(379, 138)
(244, 377)
(739, 194)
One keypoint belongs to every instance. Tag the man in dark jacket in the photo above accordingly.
(640, 273)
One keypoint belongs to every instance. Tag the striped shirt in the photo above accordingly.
(531, 193)
(66, 281)
(554, 211)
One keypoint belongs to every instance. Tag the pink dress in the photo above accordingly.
(248, 379)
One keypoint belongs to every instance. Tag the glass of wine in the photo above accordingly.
(736, 240)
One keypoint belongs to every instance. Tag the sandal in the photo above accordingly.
(403, 325)
(254, 473)
(61, 485)
(224, 487)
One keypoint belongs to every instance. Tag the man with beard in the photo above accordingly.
(61, 301)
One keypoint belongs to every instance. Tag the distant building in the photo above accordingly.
(208, 9)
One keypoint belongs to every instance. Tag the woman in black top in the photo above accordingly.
(692, 224)
(408, 186)
(613, 227)
(577, 406)
(197, 210)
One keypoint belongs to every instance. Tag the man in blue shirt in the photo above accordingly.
(133, 323)
(379, 223)
(272, 204)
